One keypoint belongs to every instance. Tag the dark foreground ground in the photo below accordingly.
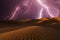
(31, 30)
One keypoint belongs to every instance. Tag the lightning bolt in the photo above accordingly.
(41, 13)
(18, 9)
(14, 13)
(48, 9)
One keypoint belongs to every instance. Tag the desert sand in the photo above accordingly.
(32, 33)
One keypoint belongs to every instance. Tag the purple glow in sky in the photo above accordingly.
(29, 9)
(27, 4)
(46, 4)
(52, 11)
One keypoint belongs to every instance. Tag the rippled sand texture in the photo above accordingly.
(32, 33)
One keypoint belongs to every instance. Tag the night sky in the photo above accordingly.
(28, 9)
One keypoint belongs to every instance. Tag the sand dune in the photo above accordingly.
(39, 29)
(32, 33)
